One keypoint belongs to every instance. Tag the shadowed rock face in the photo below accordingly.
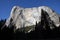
(26, 17)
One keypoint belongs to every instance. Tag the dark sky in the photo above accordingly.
(6, 5)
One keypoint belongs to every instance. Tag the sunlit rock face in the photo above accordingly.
(23, 17)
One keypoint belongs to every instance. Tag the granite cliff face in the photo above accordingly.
(27, 17)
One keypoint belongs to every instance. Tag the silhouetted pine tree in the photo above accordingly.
(2, 22)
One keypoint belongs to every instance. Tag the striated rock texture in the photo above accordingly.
(27, 17)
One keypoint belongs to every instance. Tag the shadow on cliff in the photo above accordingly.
(42, 31)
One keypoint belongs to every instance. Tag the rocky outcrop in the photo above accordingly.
(27, 17)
